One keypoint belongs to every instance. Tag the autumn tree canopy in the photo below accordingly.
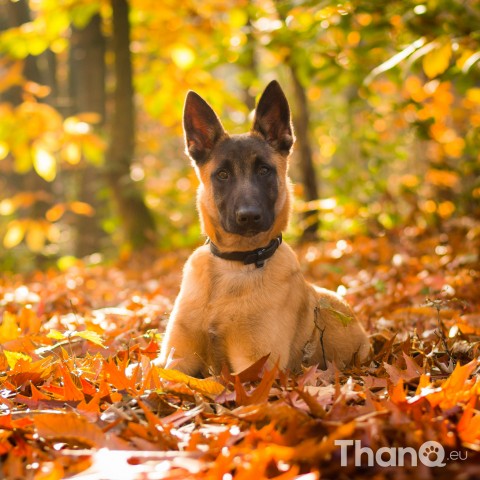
(385, 99)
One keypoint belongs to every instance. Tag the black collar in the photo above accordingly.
(257, 256)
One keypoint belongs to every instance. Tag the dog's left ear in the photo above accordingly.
(272, 119)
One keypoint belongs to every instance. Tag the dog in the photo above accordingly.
(243, 295)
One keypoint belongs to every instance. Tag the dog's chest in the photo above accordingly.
(236, 295)
(241, 296)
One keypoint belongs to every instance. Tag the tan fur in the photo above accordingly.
(232, 314)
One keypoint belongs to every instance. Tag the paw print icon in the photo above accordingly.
(431, 454)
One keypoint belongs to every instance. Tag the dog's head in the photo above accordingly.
(244, 193)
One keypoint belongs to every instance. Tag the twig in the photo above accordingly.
(322, 332)
(436, 304)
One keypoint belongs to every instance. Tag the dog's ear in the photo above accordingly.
(202, 127)
(272, 119)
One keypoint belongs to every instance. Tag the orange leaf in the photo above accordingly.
(69, 426)
(398, 394)
(5, 445)
(469, 425)
(117, 377)
(457, 388)
(70, 390)
(155, 425)
(82, 208)
(315, 407)
(50, 471)
(9, 329)
(33, 372)
(241, 396)
(259, 394)
(55, 213)
(87, 387)
(37, 394)
(93, 406)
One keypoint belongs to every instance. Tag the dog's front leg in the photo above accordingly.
(183, 342)
(185, 338)
(183, 347)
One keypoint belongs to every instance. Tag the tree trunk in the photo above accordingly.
(87, 93)
(248, 62)
(303, 148)
(304, 151)
(87, 68)
(138, 223)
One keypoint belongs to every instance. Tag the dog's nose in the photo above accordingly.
(248, 216)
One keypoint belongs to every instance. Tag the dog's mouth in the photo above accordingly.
(252, 233)
(246, 232)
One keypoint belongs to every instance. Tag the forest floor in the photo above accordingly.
(79, 396)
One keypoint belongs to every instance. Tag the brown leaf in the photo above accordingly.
(412, 371)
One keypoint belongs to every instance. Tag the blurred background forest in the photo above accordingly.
(385, 98)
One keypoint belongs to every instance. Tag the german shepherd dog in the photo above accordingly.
(243, 295)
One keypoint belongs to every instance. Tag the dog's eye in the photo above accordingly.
(222, 175)
(263, 170)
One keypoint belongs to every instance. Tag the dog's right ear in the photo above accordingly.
(202, 127)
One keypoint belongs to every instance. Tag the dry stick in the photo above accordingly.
(441, 335)
(322, 331)
(74, 311)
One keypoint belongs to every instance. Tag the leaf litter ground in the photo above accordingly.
(81, 398)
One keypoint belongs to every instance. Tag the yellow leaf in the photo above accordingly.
(9, 328)
(15, 234)
(182, 56)
(7, 206)
(203, 385)
(14, 357)
(44, 164)
(3, 150)
(53, 233)
(74, 126)
(473, 94)
(93, 337)
(72, 153)
(465, 55)
(35, 237)
(437, 60)
(56, 335)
